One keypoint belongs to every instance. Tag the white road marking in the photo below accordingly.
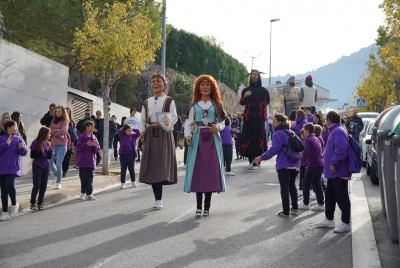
(182, 215)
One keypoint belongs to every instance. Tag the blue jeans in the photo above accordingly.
(7, 185)
(40, 177)
(86, 175)
(127, 162)
(60, 150)
(287, 178)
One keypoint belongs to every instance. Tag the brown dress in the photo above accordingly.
(158, 163)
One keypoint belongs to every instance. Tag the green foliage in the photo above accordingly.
(181, 88)
(127, 93)
(191, 54)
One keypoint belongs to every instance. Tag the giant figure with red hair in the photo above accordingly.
(255, 99)
(204, 165)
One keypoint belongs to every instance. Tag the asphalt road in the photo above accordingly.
(120, 229)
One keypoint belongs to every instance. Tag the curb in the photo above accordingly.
(365, 252)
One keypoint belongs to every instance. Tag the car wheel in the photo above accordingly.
(373, 176)
(368, 169)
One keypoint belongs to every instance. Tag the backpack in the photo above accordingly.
(294, 147)
(354, 156)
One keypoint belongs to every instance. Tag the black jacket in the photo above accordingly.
(46, 119)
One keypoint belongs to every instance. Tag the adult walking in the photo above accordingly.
(116, 138)
(112, 131)
(48, 117)
(308, 94)
(291, 96)
(17, 117)
(177, 129)
(336, 171)
(255, 99)
(88, 116)
(59, 141)
(357, 120)
(158, 165)
(287, 170)
(12, 147)
(74, 138)
(204, 167)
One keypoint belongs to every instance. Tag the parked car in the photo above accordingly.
(368, 115)
(366, 135)
(372, 165)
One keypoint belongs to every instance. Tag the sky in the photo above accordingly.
(310, 33)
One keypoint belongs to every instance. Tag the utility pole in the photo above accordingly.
(164, 37)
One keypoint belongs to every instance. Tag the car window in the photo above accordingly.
(371, 126)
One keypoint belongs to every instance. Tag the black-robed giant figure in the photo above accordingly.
(255, 99)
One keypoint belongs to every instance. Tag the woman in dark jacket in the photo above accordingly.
(74, 138)
(287, 170)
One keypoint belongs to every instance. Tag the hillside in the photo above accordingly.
(340, 77)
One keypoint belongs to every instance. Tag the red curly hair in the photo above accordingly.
(215, 93)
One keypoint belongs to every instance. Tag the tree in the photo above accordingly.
(376, 85)
(47, 27)
(114, 41)
(181, 88)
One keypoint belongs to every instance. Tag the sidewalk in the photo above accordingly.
(71, 184)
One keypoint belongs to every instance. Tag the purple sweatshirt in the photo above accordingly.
(86, 155)
(313, 152)
(124, 139)
(325, 136)
(321, 141)
(336, 153)
(10, 160)
(227, 135)
(41, 160)
(279, 139)
(300, 122)
(310, 118)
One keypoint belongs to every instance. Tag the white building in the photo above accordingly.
(29, 83)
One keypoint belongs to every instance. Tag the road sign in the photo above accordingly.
(361, 103)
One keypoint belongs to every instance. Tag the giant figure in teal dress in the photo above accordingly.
(204, 165)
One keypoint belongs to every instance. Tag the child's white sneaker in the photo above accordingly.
(90, 197)
(82, 196)
(325, 224)
(14, 211)
(5, 216)
(342, 228)
(134, 185)
(123, 186)
(304, 207)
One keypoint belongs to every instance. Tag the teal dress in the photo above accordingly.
(204, 165)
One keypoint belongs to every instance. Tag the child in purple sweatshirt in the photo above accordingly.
(127, 153)
(12, 147)
(315, 165)
(86, 149)
(227, 146)
(41, 152)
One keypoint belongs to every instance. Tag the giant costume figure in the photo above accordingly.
(291, 96)
(255, 99)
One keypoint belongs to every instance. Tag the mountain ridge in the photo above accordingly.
(347, 68)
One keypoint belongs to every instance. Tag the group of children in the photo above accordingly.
(12, 147)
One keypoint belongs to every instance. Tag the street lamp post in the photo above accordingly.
(252, 58)
(270, 48)
(164, 37)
